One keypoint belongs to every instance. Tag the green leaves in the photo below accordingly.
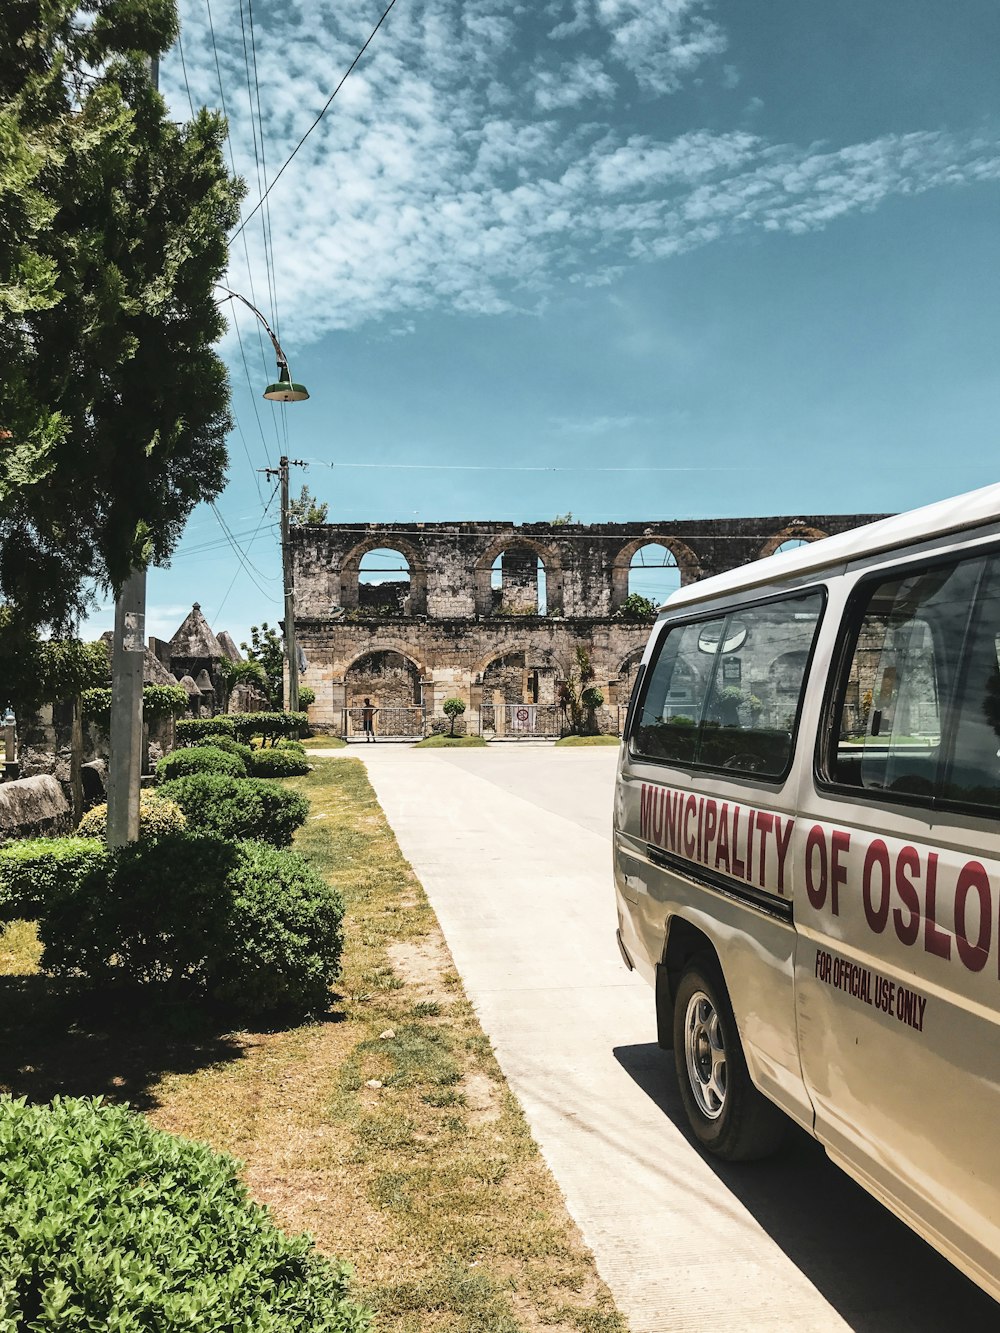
(110, 1226)
(113, 224)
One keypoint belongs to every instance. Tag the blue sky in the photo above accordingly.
(690, 259)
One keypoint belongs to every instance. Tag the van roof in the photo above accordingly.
(917, 525)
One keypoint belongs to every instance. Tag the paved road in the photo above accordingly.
(513, 847)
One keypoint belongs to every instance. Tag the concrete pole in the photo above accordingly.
(126, 711)
(291, 647)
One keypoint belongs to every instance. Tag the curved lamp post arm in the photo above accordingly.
(284, 390)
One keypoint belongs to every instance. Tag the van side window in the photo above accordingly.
(971, 773)
(725, 693)
(905, 663)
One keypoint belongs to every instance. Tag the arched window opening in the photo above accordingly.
(518, 583)
(388, 679)
(653, 573)
(508, 674)
(792, 544)
(384, 583)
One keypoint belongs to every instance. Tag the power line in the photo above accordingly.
(242, 557)
(322, 113)
(249, 544)
(503, 467)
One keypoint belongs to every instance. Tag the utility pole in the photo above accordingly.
(291, 647)
(127, 660)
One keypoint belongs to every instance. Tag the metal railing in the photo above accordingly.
(388, 723)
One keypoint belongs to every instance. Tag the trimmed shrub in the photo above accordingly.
(191, 730)
(238, 922)
(199, 759)
(278, 763)
(307, 696)
(229, 745)
(34, 869)
(157, 816)
(109, 1223)
(285, 743)
(285, 944)
(158, 701)
(238, 807)
(269, 726)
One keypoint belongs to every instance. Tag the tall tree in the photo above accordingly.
(113, 222)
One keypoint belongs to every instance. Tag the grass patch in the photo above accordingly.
(386, 1130)
(589, 740)
(324, 743)
(450, 743)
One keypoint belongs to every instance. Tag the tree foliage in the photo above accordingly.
(579, 697)
(306, 509)
(34, 671)
(265, 649)
(113, 224)
(636, 607)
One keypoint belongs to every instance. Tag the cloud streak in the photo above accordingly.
(468, 167)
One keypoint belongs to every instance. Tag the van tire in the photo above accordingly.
(727, 1114)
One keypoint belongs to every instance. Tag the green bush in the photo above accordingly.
(108, 1223)
(158, 701)
(200, 759)
(191, 730)
(269, 726)
(238, 922)
(285, 743)
(238, 807)
(229, 745)
(157, 816)
(307, 696)
(278, 763)
(34, 869)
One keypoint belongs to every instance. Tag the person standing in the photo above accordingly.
(368, 721)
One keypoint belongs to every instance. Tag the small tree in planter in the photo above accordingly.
(453, 708)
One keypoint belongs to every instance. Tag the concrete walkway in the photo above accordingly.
(513, 848)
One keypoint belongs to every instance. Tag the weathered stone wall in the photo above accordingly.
(453, 626)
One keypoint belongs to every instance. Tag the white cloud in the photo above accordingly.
(465, 168)
(588, 426)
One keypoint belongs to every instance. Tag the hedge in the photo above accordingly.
(200, 759)
(34, 869)
(191, 730)
(238, 807)
(110, 1224)
(196, 916)
(269, 726)
(158, 701)
(277, 763)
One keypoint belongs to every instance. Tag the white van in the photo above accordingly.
(807, 860)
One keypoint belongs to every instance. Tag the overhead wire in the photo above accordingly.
(246, 248)
(250, 543)
(326, 107)
(241, 555)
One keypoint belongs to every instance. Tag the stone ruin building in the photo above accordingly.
(493, 613)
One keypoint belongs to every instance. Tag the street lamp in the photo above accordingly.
(284, 389)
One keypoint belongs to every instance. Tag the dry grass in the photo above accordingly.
(386, 1131)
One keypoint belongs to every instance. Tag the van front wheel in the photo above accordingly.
(728, 1115)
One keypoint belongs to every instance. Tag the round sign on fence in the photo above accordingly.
(523, 715)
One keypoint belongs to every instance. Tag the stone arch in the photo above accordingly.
(628, 669)
(401, 679)
(794, 532)
(514, 541)
(687, 563)
(350, 570)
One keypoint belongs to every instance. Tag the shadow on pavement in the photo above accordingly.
(875, 1272)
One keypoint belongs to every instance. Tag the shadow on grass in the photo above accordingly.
(55, 1040)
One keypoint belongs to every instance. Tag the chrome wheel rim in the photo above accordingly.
(705, 1055)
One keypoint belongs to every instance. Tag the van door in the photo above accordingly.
(897, 979)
